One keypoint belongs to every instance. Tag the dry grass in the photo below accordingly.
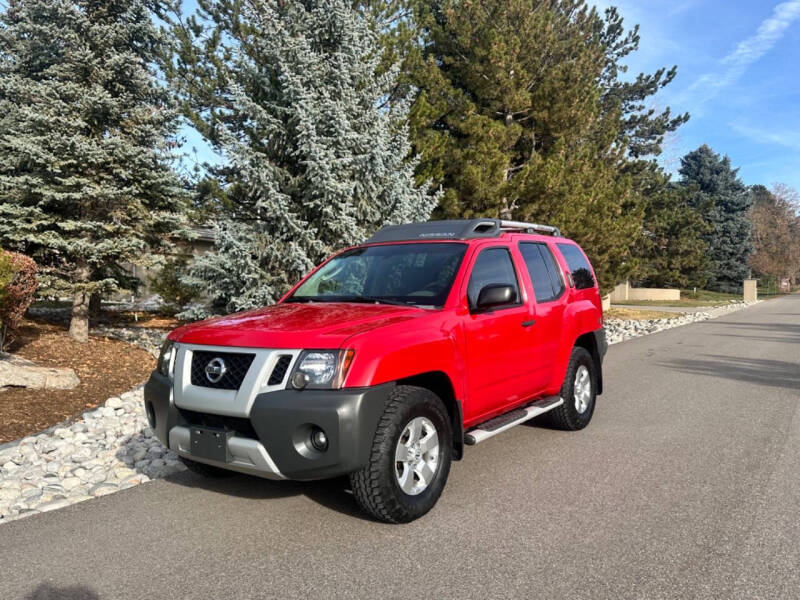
(638, 315)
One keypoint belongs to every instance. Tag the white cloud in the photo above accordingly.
(748, 51)
(787, 139)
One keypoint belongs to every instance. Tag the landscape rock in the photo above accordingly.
(18, 372)
(619, 330)
(111, 448)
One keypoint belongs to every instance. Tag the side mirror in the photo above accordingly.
(496, 294)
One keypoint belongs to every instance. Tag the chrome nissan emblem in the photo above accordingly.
(215, 370)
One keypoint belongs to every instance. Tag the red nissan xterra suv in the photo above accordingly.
(387, 359)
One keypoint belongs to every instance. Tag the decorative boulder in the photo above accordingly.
(19, 372)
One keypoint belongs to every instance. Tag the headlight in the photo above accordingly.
(166, 358)
(321, 368)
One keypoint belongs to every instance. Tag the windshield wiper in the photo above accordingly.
(374, 299)
(359, 299)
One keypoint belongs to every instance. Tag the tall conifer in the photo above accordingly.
(295, 97)
(86, 182)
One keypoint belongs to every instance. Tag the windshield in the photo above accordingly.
(415, 274)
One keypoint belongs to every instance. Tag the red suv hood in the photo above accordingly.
(294, 325)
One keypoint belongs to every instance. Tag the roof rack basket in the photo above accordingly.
(458, 229)
(528, 227)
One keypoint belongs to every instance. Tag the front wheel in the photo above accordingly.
(579, 392)
(410, 458)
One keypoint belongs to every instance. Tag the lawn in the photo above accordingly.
(637, 315)
(689, 298)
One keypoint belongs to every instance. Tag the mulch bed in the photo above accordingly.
(105, 367)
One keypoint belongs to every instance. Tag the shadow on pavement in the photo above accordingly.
(762, 371)
(780, 327)
(334, 494)
(45, 591)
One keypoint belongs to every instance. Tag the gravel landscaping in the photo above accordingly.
(112, 448)
(619, 330)
(109, 449)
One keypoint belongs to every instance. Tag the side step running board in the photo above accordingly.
(506, 421)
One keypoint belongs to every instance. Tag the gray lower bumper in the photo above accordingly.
(247, 456)
(274, 441)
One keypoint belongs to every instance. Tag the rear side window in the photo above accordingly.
(547, 282)
(493, 266)
(578, 266)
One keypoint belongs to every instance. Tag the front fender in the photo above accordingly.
(401, 350)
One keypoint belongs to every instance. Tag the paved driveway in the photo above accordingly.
(685, 485)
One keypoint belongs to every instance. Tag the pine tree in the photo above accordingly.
(514, 119)
(672, 251)
(642, 127)
(86, 182)
(729, 240)
(294, 95)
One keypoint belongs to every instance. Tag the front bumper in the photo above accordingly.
(601, 341)
(274, 442)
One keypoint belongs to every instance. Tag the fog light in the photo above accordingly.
(299, 380)
(319, 440)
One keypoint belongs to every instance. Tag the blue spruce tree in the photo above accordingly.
(293, 95)
(86, 181)
(729, 241)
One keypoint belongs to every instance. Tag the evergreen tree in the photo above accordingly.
(642, 127)
(516, 118)
(672, 251)
(295, 96)
(85, 130)
(729, 241)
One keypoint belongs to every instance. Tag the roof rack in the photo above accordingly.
(529, 227)
(458, 229)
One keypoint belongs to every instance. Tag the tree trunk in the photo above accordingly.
(79, 324)
(95, 304)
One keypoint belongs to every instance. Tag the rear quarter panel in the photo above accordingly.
(583, 314)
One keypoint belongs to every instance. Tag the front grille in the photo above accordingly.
(279, 372)
(236, 364)
(239, 425)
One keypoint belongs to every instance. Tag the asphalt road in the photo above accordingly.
(685, 485)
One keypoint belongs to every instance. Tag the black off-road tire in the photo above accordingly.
(566, 416)
(375, 487)
(205, 470)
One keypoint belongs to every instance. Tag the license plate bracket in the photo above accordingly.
(210, 443)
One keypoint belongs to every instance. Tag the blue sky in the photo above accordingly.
(738, 76)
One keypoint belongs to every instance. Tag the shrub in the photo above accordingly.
(168, 282)
(18, 284)
(6, 273)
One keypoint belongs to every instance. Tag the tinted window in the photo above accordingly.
(419, 274)
(547, 283)
(578, 266)
(493, 266)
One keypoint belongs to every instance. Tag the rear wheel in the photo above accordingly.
(410, 458)
(579, 392)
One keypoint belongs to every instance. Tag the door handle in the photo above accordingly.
(529, 323)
